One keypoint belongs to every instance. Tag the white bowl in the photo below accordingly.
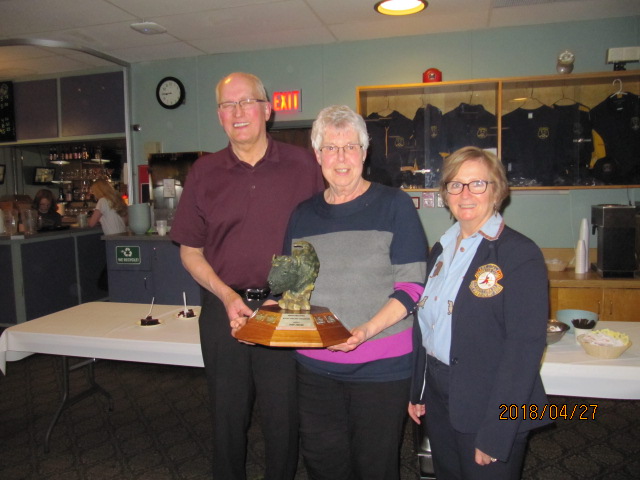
(555, 265)
(566, 315)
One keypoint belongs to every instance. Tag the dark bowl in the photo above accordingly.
(555, 331)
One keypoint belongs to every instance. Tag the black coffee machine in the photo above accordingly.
(616, 229)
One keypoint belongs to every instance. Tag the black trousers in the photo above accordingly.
(454, 452)
(237, 376)
(351, 430)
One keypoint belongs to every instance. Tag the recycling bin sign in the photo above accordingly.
(128, 255)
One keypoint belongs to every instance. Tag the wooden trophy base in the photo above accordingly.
(272, 326)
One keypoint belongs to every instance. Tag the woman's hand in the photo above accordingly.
(94, 218)
(484, 459)
(391, 313)
(416, 411)
(358, 336)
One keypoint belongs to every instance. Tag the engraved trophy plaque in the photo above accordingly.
(294, 322)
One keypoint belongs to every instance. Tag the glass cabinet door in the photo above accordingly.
(578, 130)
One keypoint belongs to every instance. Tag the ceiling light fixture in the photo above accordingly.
(400, 7)
(148, 28)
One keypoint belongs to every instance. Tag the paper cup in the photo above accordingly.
(83, 222)
(161, 227)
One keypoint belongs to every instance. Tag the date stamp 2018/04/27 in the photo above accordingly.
(549, 410)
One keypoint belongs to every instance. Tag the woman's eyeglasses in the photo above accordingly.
(477, 187)
(348, 149)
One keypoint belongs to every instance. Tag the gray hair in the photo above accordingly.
(258, 86)
(341, 117)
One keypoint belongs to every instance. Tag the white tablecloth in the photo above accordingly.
(112, 331)
(568, 370)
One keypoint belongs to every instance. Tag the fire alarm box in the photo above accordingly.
(432, 75)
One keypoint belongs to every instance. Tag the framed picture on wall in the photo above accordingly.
(2, 170)
(43, 175)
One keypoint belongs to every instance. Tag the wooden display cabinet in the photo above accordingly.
(615, 299)
(500, 96)
(588, 89)
(406, 99)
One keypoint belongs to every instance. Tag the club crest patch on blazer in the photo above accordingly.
(486, 283)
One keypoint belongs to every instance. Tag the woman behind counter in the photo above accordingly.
(372, 251)
(110, 211)
(481, 329)
(45, 204)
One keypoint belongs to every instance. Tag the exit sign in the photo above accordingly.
(287, 101)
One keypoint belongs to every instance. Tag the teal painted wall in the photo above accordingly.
(329, 74)
(551, 218)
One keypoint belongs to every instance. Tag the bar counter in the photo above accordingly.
(147, 237)
(49, 271)
(146, 267)
(591, 279)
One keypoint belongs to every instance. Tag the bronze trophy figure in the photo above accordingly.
(294, 276)
(294, 322)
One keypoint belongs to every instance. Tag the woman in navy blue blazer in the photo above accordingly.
(480, 331)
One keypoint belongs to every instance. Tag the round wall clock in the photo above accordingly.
(170, 92)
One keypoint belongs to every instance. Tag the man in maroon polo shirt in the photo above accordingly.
(230, 221)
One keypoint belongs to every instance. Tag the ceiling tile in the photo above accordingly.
(197, 27)
(265, 40)
(30, 17)
(155, 52)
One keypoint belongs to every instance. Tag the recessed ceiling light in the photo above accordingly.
(400, 7)
(148, 28)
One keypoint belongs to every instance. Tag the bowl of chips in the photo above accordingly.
(555, 264)
(555, 331)
(604, 343)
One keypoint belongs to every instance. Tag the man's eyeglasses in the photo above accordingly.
(243, 104)
(477, 187)
(348, 149)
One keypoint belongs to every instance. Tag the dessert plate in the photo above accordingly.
(180, 314)
(160, 322)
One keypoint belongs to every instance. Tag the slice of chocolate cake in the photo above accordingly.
(149, 321)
